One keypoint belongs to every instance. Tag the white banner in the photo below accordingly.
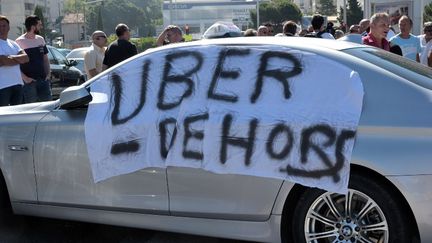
(271, 112)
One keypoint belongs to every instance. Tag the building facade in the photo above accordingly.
(72, 27)
(201, 14)
(309, 7)
(17, 10)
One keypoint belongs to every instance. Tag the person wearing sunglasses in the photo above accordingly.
(93, 59)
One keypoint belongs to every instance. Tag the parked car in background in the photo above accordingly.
(46, 171)
(64, 51)
(63, 72)
(78, 56)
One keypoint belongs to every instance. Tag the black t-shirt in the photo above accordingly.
(118, 51)
(36, 50)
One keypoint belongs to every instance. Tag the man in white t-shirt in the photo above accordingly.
(11, 56)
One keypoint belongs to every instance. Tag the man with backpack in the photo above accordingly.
(319, 28)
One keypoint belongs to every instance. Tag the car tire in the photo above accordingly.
(373, 215)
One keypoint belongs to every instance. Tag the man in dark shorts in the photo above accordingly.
(121, 49)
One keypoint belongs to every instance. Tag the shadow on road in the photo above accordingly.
(26, 229)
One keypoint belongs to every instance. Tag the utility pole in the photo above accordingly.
(77, 18)
(345, 15)
(421, 15)
(258, 17)
(366, 9)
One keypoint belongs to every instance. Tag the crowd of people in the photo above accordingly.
(375, 31)
(25, 69)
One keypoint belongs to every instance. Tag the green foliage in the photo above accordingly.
(141, 16)
(111, 38)
(354, 13)
(188, 38)
(73, 6)
(38, 11)
(276, 12)
(144, 43)
(327, 7)
(99, 22)
(427, 14)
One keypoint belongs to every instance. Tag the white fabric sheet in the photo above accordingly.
(325, 104)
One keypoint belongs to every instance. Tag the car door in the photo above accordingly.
(195, 192)
(64, 175)
(199, 193)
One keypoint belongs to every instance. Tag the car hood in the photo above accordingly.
(32, 107)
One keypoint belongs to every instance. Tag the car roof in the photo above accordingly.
(304, 43)
(74, 51)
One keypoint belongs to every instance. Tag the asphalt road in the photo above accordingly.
(23, 229)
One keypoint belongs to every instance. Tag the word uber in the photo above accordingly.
(303, 142)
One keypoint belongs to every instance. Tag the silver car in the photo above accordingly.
(46, 170)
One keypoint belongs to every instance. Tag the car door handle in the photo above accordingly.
(17, 148)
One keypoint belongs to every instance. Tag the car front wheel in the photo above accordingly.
(367, 213)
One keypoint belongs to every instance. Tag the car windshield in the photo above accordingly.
(77, 53)
(408, 69)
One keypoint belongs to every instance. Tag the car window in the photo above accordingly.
(408, 69)
(77, 53)
(51, 57)
(60, 58)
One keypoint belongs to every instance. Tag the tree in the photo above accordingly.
(73, 6)
(38, 11)
(427, 14)
(327, 7)
(99, 22)
(354, 13)
(277, 12)
(141, 16)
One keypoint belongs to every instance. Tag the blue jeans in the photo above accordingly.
(38, 90)
(12, 95)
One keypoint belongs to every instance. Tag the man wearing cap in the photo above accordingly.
(262, 31)
(93, 58)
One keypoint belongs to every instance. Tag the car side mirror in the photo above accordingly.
(72, 63)
(74, 96)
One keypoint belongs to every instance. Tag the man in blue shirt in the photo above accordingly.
(409, 43)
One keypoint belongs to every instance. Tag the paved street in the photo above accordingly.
(22, 229)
